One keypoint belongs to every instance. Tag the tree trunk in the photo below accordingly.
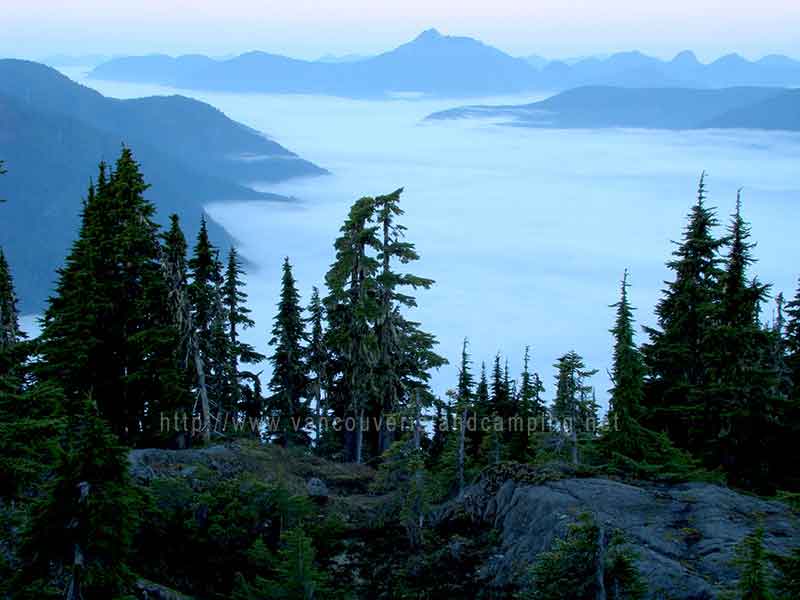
(359, 436)
(203, 391)
(600, 594)
(461, 435)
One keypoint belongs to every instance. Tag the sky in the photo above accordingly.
(310, 28)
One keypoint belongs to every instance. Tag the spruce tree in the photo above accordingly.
(289, 383)
(677, 353)
(751, 558)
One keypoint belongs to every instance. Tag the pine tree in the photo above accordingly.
(83, 525)
(234, 301)
(677, 353)
(107, 331)
(289, 383)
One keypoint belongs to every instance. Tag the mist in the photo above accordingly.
(526, 231)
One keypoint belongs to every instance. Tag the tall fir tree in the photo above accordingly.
(744, 388)
(625, 411)
(107, 331)
(289, 383)
(677, 352)
(234, 300)
(352, 307)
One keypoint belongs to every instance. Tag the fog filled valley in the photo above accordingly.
(438, 322)
(548, 218)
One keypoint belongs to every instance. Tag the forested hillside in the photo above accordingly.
(54, 131)
(141, 349)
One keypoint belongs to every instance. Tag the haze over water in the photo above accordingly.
(526, 231)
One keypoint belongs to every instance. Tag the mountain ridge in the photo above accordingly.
(444, 65)
(54, 132)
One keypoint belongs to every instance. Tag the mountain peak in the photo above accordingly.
(686, 57)
(429, 34)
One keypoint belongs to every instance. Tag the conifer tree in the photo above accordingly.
(529, 414)
(677, 353)
(10, 332)
(352, 308)
(627, 378)
(317, 356)
(454, 461)
(289, 383)
(234, 301)
(572, 406)
(792, 340)
(751, 558)
(83, 525)
(744, 387)
(107, 331)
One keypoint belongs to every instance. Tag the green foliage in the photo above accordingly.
(107, 331)
(787, 584)
(569, 570)
(84, 522)
(294, 574)
(751, 560)
(289, 383)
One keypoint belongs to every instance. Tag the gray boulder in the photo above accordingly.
(317, 489)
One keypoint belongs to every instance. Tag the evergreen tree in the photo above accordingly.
(209, 321)
(751, 558)
(83, 525)
(352, 308)
(677, 353)
(107, 332)
(289, 383)
(744, 386)
(453, 466)
(529, 414)
(317, 356)
(572, 407)
(792, 340)
(10, 332)
(234, 301)
(625, 434)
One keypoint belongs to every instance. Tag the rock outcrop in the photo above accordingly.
(685, 535)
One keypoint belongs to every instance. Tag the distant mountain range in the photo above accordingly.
(53, 133)
(435, 64)
(650, 108)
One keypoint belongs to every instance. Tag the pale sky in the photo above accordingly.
(309, 28)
